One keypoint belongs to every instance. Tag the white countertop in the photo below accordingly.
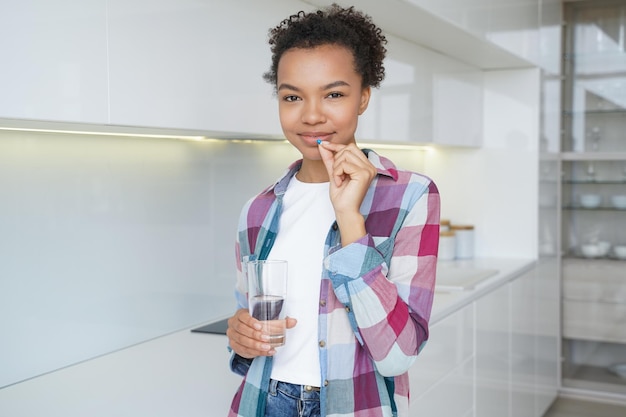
(447, 302)
(181, 374)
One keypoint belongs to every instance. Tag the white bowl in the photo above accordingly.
(605, 247)
(590, 200)
(594, 250)
(618, 201)
(619, 251)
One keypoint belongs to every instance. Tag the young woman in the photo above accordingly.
(360, 236)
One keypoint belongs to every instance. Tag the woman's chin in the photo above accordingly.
(311, 155)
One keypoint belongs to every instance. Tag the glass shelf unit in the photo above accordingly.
(592, 195)
(594, 68)
(593, 204)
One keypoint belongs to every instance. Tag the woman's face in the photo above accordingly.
(320, 97)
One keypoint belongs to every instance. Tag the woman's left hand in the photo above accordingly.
(351, 174)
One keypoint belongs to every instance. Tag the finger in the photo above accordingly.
(351, 160)
(348, 163)
(247, 347)
(243, 322)
(354, 154)
(333, 147)
(338, 148)
(245, 335)
(249, 352)
(333, 156)
(291, 322)
(328, 157)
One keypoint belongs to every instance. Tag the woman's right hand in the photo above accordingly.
(246, 338)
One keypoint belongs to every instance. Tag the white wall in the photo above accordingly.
(109, 241)
(495, 187)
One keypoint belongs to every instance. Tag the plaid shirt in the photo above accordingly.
(375, 300)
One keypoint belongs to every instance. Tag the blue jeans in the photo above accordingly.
(291, 400)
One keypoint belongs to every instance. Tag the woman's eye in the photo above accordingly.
(291, 98)
(335, 95)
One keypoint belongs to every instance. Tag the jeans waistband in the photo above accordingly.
(303, 392)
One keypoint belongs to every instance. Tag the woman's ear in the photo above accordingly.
(366, 92)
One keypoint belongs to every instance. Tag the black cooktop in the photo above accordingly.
(218, 327)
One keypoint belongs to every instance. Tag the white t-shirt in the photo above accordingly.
(306, 218)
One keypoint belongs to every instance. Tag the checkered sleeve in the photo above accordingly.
(387, 282)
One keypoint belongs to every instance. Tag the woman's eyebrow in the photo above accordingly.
(285, 86)
(334, 84)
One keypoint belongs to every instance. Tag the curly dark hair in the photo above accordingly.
(336, 26)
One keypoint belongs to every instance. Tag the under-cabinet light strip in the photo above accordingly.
(95, 133)
(199, 138)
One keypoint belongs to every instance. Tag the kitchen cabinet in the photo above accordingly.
(160, 64)
(444, 368)
(515, 375)
(593, 196)
(493, 331)
(523, 356)
(469, 367)
(594, 313)
(426, 97)
(502, 347)
(185, 65)
(594, 207)
(547, 308)
(189, 64)
(54, 60)
(595, 309)
(513, 25)
(214, 84)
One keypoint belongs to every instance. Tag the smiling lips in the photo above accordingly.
(312, 137)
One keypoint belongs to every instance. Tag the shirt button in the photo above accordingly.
(325, 382)
(347, 309)
(322, 343)
(323, 303)
(335, 226)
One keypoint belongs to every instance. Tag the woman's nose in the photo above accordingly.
(313, 113)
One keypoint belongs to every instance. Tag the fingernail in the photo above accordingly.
(265, 337)
(258, 326)
(319, 141)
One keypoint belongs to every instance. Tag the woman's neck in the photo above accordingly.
(312, 171)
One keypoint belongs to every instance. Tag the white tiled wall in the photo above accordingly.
(108, 241)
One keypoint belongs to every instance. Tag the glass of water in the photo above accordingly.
(267, 289)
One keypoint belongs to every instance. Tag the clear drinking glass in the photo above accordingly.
(267, 290)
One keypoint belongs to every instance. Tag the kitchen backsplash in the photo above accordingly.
(108, 241)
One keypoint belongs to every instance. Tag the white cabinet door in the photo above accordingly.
(493, 329)
(193, 65)
(54, 61)
(426, 97)
(517, 346)
(523, 337)
(514, 25)
(444, 368)
(504, 345)
(548, 331)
